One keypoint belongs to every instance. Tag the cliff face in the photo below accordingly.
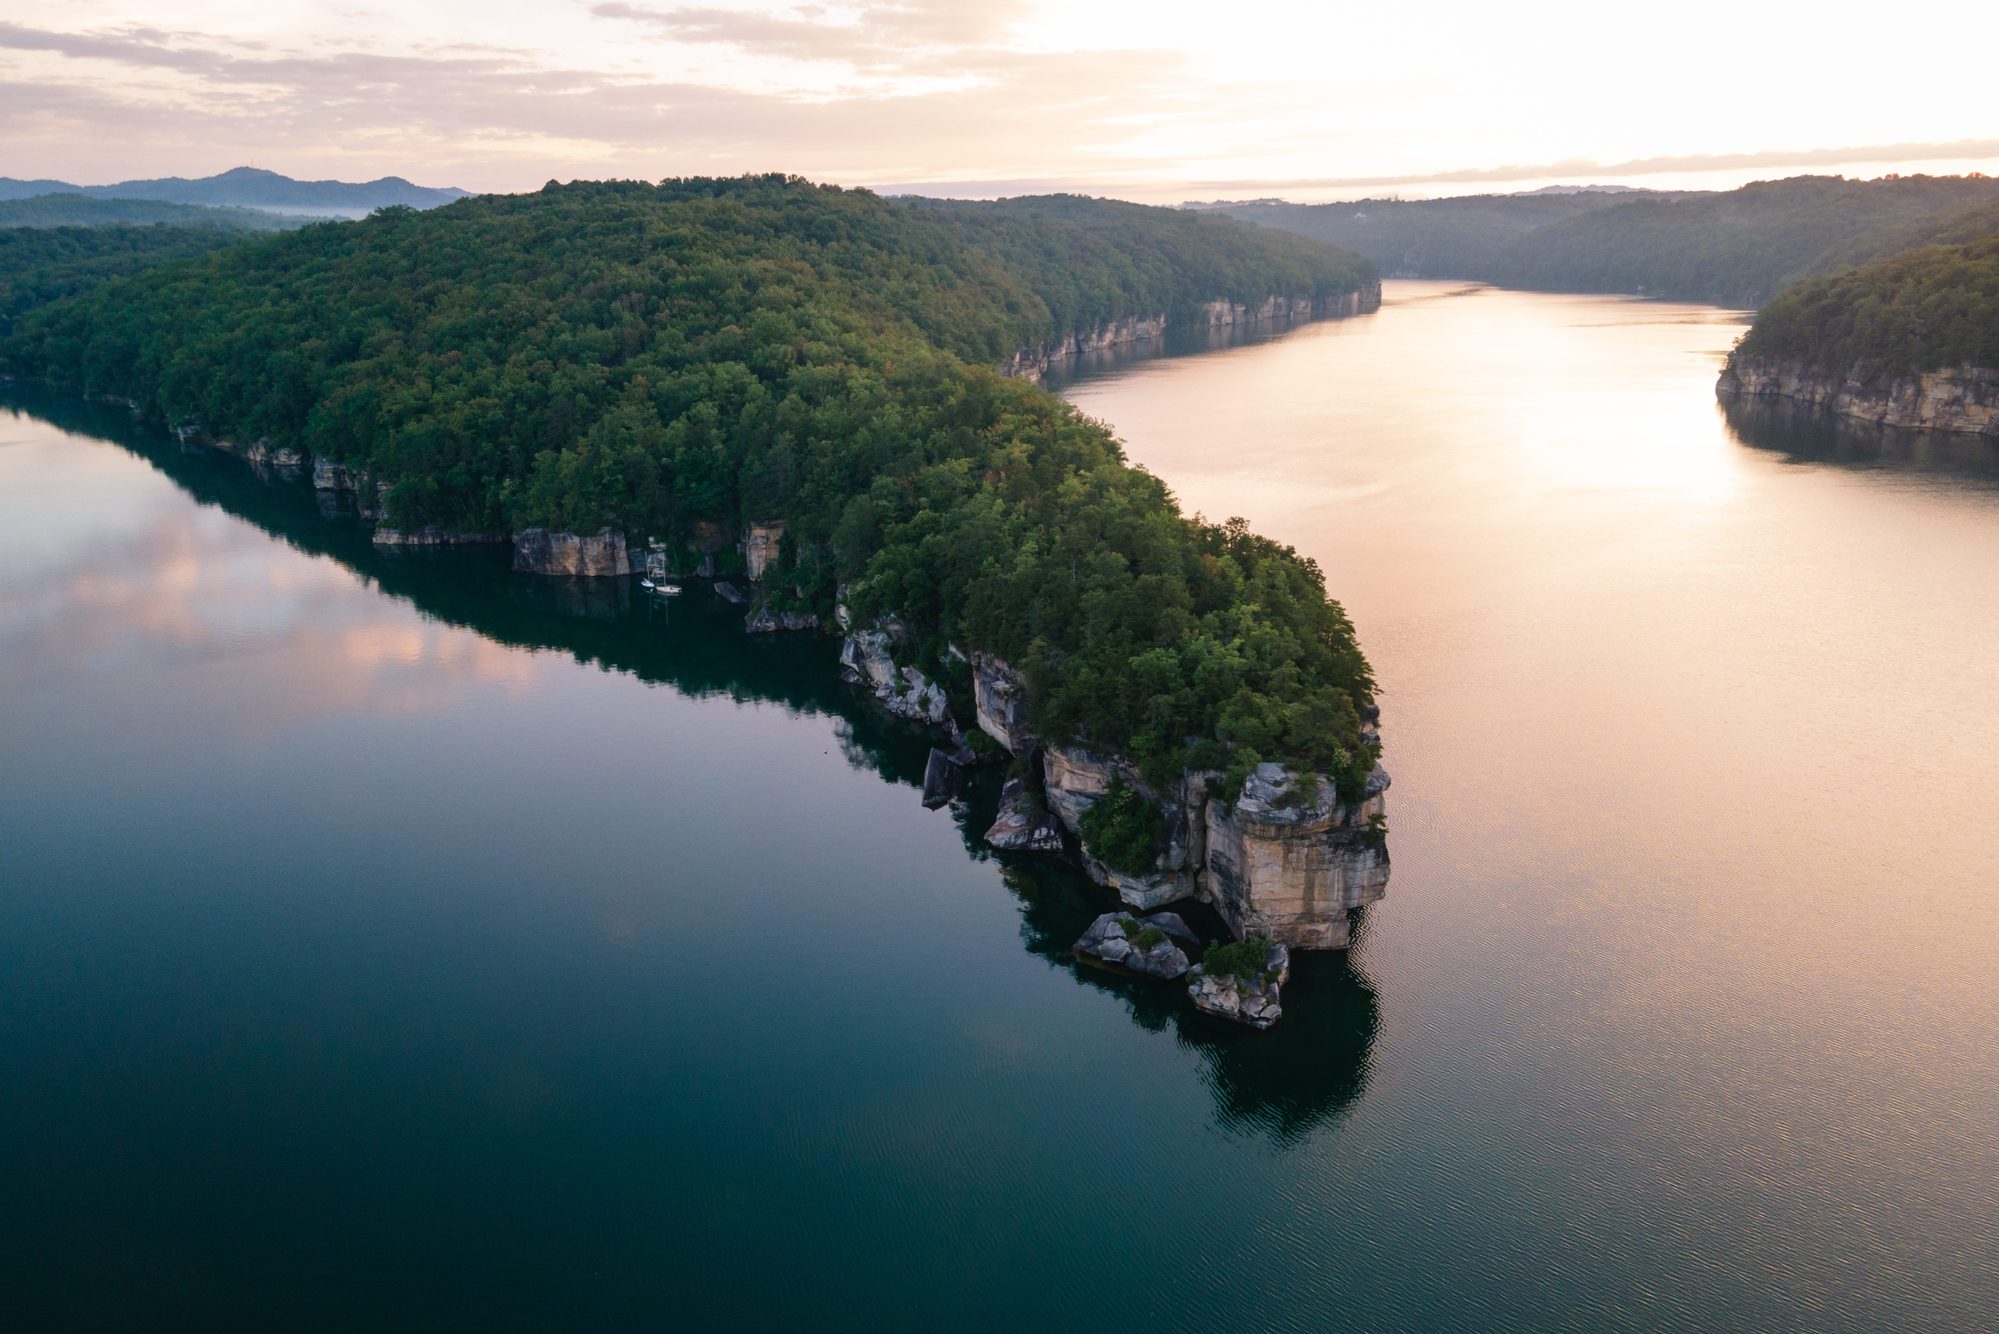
(1037, 360)
(1001, 698)
(600, 556)
(1287, 867)
(761, 546)
(1964, 399)
(1277, 863)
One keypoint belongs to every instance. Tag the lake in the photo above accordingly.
(388, 940)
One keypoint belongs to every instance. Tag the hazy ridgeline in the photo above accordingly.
(1734, 248)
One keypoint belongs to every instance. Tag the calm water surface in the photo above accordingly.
(391, 941)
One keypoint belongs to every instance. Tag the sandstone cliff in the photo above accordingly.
(1039, 358)
(1964, 399)
(761, 546)
(598, 556)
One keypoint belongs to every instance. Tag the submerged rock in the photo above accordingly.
(1246, 999)
(728, 592)
(1022, 825)
(764, 621)
(943, 780)
(1149, 945)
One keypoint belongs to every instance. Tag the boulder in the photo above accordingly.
(1141, 945)
(1251, 1000)
(943, 780)
(1022, 825)
(728, 592)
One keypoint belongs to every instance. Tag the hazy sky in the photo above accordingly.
(1145, 98)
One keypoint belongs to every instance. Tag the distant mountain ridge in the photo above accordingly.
(252, 187)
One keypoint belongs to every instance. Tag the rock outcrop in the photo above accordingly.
(1281, 862)
(903, 691)
(1252, 999)
(1036, 359)
(1962, 400)
(329, 475)
(1023, 826)
(1152, 946)
(597, 556)
(1075, 779)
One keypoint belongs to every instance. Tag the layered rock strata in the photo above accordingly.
(1963, 400)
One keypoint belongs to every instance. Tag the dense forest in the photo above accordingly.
(40, 265)
(1923, 310)
(731, 350)
(1738, 247)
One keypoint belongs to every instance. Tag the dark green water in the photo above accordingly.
(388, 941)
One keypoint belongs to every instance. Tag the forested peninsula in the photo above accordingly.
(1911, 341)
(813, 376)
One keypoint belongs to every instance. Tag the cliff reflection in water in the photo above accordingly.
(1806, 434)
(1282, 1083)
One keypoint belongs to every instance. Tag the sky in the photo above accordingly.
(1154, 100)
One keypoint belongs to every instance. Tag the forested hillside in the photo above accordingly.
(657, 357)
(1927, 309)
(1091, 260)
(39, 265)
(1736, 248)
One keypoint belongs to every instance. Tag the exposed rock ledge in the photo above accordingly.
(1037, 359)
(1964, 399)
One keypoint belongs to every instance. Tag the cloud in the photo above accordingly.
(493, 104)
(874, 38)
